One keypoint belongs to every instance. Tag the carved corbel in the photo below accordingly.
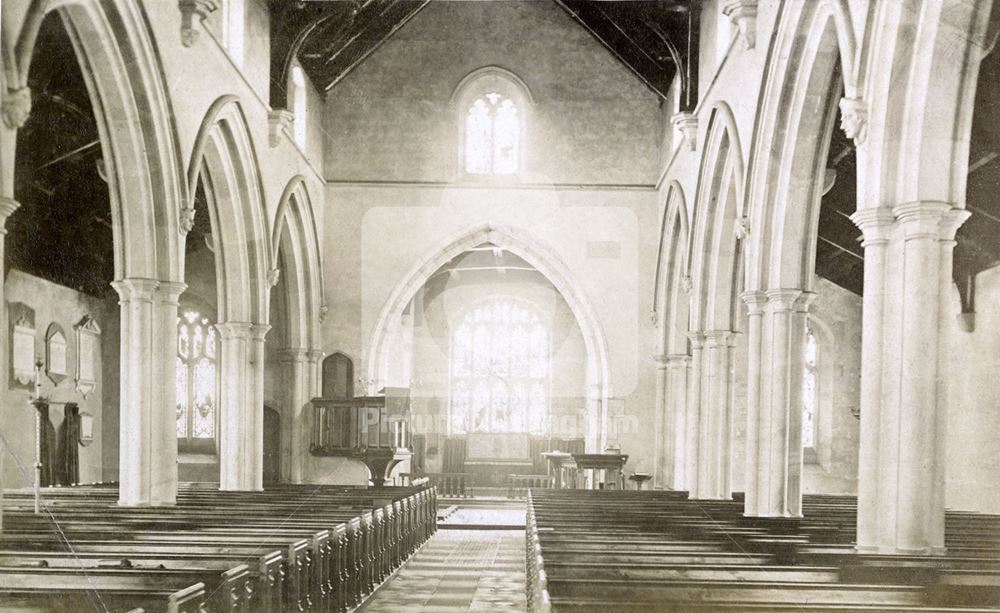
(16, 107)
(743, 15)
(323, 310)
(278, 120)
(742, 228)
(186, 218)
(686, 123)
(189, 10)
(687, 284)
(854, 119)
(273, 276)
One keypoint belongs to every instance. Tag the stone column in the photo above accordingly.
(677, 370)
(145, 446)
(297, 380)
(235, 405)
(255, 442)
(755, 302)
(901, 489)
(7, 208)
(876, 226)
(661, 448)
(164, 454)
(774, 447)
(714, 419)
(692, 440)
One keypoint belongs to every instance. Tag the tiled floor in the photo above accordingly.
(459, 571)
(487, 517)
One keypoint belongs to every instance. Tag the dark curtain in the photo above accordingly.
(47, 446)
(67, 466)
(454, 454)
(418, 445)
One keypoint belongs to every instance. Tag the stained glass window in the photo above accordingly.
(809, 391)
(195, 377)
(500, 363)
(492, 136)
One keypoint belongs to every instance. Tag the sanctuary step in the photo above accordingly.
(301, 548)
(658, 551)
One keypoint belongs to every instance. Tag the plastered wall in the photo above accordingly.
(62, 305)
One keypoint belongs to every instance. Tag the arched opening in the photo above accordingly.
(672, 306)
(716, 315)
(85, 147)
(224, 168)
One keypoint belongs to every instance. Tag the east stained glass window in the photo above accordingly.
(492, 135)
(500, 366)
(809, 390)
(196, 377)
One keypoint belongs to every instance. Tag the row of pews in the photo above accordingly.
(631, 551)
(290, 548)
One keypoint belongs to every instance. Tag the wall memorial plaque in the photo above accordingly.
(22, 345)
(88, 344)
(56, 366)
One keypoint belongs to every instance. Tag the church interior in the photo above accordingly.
(499, 305)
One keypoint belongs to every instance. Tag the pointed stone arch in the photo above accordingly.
(224, 159)
(536, 253)
(672, 309)
(716, 257)
(118, 58)
(798, 107)
(296, 260)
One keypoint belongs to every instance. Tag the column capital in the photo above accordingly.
(16, 107)
(755, 301)
(293, 354)
(719, 338)
(169, 292)
(315, 355)
(875, 224)
(789, 299)
(697, 339)
(234, 330)
(135, 289)
(259, 331)
(930, 219)
(7, 208)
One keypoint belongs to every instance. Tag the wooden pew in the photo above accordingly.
(658, 551)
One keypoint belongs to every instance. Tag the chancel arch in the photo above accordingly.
(224, 162)
(717, 280)
(672, 311)
(528, 249)
(140, 163)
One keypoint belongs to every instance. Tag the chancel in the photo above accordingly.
(499, 305)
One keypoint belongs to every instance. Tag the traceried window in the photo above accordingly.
(500, 363)
(492, 135)
(196, 379)
(810, 397)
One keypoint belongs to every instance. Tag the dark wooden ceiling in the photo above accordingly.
(62, 232)
(331, 37)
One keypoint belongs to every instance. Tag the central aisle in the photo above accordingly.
(458, 571)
